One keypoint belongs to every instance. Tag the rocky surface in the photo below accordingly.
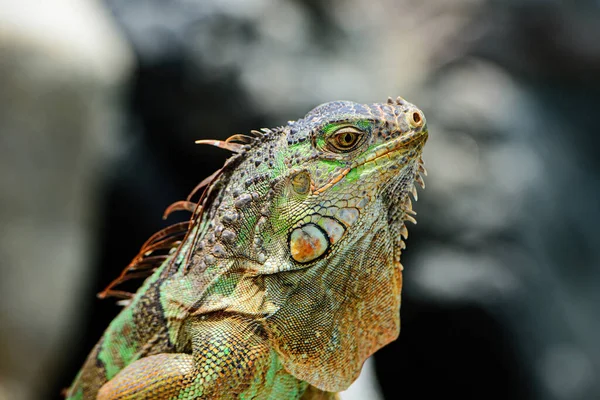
(61, 72)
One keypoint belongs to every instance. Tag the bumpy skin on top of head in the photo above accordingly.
(297, 250)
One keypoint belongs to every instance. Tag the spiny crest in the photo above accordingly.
(240, 143)
(167, 241)
(398, 101)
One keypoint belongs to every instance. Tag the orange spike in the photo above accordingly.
(182, 205)
(147, 262)
(165, 244)
(122, 278)
(240, 138)
(121, 294)
(202, 184)
(235, 147)
(179, 227)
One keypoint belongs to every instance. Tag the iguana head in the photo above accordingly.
(346, 164)
(303, 232)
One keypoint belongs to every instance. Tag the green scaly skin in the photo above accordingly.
(290, 275)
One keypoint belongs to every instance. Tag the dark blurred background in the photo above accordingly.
(101, 101)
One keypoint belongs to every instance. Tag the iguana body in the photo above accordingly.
(289, 276)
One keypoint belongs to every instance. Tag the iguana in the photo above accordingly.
(288, 275)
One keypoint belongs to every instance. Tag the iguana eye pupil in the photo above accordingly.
(346, 139)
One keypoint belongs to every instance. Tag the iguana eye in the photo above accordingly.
(345, 139)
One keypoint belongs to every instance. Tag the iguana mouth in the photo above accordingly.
(383, 150)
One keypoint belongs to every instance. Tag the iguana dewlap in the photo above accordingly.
(287, 277)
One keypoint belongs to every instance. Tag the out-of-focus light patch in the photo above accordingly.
(567, 371)
(65, 27)
(452, 160)
(454, 276)
(365, 387)
(10, 389)
(481, 148)
(291, 34)
(517, 168)
(241, 8)
(490, 97)
(364, 61)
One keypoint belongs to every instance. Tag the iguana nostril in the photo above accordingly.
(415, 119)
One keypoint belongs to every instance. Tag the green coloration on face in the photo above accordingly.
(365, 125)
(353, 175)
(327, 129)
(320, 141)
(362, 124)
(245, 234)
(224, 286)
(279, 163)
(331, 165)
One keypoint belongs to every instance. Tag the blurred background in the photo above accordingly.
(101, 101)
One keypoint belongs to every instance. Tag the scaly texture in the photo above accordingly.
(287, 277)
